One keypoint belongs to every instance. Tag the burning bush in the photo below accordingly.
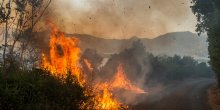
(64, 59)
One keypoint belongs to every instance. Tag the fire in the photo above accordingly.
(103, 100)
(64, 56)
(106, 101)
(120, 81)
(64, 60)
(88, 64)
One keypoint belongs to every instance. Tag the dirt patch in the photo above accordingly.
(214, 98)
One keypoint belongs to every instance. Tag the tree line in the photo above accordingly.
(139, 63)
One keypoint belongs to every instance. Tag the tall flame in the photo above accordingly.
(63, 60)
(64, 56)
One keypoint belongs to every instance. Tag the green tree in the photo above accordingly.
(208, 17)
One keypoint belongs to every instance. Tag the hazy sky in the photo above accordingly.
(122, 18)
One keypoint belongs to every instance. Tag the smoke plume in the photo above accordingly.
(121, 18)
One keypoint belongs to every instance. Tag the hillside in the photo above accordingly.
(181, 43)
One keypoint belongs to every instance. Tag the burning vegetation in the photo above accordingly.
(120, 81)
(64, 60)
(70, 80)
(64, 56)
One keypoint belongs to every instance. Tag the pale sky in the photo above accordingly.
(119, 19)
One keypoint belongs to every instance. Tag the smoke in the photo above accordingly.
(136, 66)
(121, 18)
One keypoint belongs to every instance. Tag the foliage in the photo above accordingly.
(208, 17)
(139, 64)
(38, 90)
(167, 69)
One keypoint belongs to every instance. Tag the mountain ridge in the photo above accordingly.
(180, 43)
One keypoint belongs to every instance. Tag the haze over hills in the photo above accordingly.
(180, 43)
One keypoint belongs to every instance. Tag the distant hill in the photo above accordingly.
(181, 43)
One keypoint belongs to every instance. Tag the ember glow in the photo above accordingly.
(63, 59)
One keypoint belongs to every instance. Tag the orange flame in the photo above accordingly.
(120, 81)
(88, 65)
(63, 57)
(106, 101)
(102, 100)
